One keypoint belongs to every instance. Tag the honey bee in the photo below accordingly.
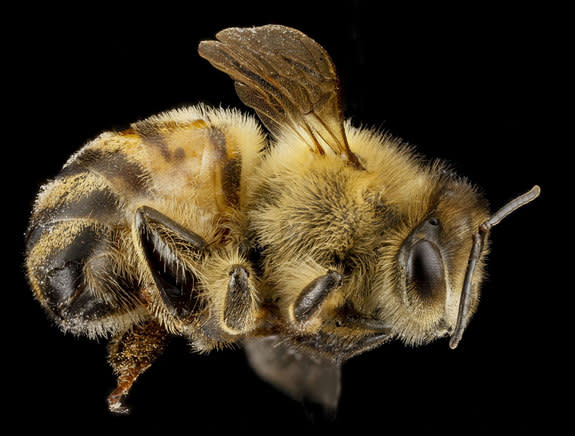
(307, 248)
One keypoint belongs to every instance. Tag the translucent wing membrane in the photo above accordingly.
(306, 378)
(288, 79)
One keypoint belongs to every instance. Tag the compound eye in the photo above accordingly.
(425, 272)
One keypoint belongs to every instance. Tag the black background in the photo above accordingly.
(470, 85)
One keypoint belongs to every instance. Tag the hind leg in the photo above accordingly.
(130, 354)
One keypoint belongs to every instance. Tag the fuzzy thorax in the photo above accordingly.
(312, 213)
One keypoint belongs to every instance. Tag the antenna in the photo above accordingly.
(476, 249)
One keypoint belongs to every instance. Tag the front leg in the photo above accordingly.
(302, 289)
(311, 298)
(130, 354)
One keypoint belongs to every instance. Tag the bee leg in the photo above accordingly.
(130, 354)
(233, 303)
(240, 301)
(149, 219)
(161, 241)
(310, 299)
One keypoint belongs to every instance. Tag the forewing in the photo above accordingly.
(302, 376)
(288, 79)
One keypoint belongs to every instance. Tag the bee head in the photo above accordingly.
(441, 261)
(432, 257)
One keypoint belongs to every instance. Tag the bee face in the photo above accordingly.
(431, 261)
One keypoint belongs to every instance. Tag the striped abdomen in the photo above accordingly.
(80, 254)
(78, 227)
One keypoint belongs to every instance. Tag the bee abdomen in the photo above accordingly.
(75, 274)
(121, 172)
(74, 264)
(95, 184)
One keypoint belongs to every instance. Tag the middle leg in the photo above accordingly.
(231, 287)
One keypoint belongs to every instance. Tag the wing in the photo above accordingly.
(301, 376)
(288, 79)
